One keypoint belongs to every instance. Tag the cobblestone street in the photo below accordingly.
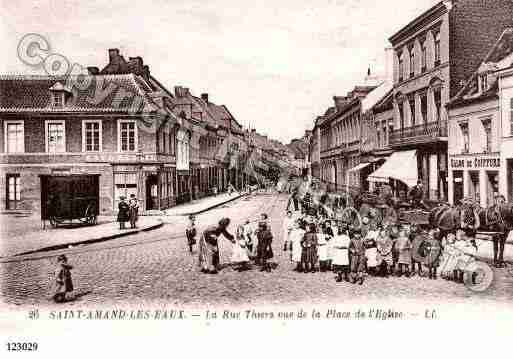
(156, 268)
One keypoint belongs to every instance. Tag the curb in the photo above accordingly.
(208, 208)
(87, 241)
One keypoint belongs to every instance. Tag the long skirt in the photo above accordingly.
(385, 257)
(208, 255)
(404, 257)
(296, 252)
(309, 255)
(322, 252)
(340, 257)
(357, 263)
(371, 254)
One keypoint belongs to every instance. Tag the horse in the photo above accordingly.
(496, 218)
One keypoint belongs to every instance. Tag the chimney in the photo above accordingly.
(135, 65)
(113, 54)
(204, 97)
(146, 72)
(178, 91)
(93, 70)
(389, 64)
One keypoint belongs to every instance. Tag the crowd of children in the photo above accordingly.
(318, 243)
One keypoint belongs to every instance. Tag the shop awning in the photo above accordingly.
(401, 166)
(359, 167)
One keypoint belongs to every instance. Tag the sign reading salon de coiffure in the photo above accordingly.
(476, 162)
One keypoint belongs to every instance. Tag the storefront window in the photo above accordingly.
(457, 186)
(474, 186)
(492, 187)
(125, 184)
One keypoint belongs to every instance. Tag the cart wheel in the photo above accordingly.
(53, 221)
(478, 276)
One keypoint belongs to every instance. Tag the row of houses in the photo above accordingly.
(440, 115)
(119, 131)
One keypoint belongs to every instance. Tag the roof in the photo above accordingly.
(88, 93)
(376, 95)
(424, 17)
(498, 58)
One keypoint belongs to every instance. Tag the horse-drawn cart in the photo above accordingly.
(71, 199)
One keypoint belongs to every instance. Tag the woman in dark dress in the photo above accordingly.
(209, 247)
(123, 212)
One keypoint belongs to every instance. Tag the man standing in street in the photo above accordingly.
(416, 195)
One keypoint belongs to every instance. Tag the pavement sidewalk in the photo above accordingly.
(203, 204)
(25, 234)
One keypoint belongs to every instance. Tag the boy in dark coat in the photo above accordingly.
(357, 250)
(123, 210)
(264, 249)
(309, 244)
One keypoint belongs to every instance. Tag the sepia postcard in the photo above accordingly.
(256, 178)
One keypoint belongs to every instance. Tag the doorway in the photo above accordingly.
(152, 198)
(457, 186)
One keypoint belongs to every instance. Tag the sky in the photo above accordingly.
(275, 64)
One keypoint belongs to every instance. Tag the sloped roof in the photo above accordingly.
(500, 51)
(376, 95)
(89, 93)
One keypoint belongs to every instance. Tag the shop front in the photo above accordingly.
(475, 177)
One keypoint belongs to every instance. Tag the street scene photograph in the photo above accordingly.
(233, 154)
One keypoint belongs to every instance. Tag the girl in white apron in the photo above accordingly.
(296, 235)
(340, 254)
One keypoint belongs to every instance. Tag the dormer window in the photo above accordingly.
(483, 82)
(58, 95)
(58, 99)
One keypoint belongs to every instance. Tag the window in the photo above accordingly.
(384, 131)
(511, 115)
(437, 48)
(13, 191)
(55, 136)
(411, 101)
(487, 126)
(412, 61)
(483, 79)
(58, 99)
(465, 135)
(423, 107)
(125, 184)
(127, 136)
(401, 115)
(401, 66)
(423, 50)
(14, 137)
(437, 94)
(92, 136)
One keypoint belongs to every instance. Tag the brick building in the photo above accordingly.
(434, 54)
(112, 131)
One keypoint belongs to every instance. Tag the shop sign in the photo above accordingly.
(476, 162)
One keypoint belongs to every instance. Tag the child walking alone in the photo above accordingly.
(63, 281)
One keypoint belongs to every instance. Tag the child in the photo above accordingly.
(340, 253)
(63, 282)
(411, 233)
(449, 257)
(288, 223)
(403, 246)
(190, 232)
(265, 252)
(295, 238)
(240, 257)
(322, 249)
(370, 249)
(384, 246)
(432, 252)
(133, 210)
(309, 253)
(357, 250)
(123, 210)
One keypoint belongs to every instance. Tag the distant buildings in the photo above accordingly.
(401, 133)
(115, 132)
